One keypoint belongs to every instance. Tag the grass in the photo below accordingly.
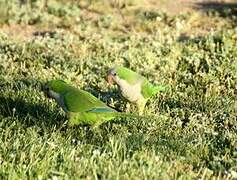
(194, 133)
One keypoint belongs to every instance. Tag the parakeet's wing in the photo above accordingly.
(130, 76)
(76, 100)
(102, 110)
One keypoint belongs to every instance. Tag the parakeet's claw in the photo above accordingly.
(141, 106)
(128, 107)
(140, 112)
(96, 125)
(72, 122)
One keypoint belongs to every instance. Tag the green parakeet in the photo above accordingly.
(133, 86)
(80, 106)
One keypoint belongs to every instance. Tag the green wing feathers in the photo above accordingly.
(102, 110)
(130, 76)
(77, 100)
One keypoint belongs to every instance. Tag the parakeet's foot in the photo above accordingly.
(128, 107)
(73, 120)
(96, 125)
(141, 106)
(140, 111)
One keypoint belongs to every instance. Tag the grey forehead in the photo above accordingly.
(45, 87)
(112, 71)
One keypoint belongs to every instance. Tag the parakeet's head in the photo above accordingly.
(115, 75)
(53, 88)
(112, 76)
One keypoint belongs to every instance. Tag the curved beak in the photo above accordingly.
(110, 79)
(46, 93)
(45, 90)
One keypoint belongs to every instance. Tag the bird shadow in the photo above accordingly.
(24, 111)
(45, 33)
(183, 38)
(111, 98)
(48, 119)
(28, 113)
(225, 9)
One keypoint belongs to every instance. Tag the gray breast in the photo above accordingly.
(59, 99)
(131, 92)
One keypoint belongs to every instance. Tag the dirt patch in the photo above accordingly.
(18, 31)
(198, 24)
(25, 32)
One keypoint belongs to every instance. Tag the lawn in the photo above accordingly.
(190, 131)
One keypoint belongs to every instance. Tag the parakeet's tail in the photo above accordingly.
(160, 88)
(129, 115)
(114, 113)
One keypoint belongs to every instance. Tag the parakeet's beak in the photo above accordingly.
(110, 79)
(47, 94)
(45, 89)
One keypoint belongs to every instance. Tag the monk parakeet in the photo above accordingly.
(133, 86)
(80, 106)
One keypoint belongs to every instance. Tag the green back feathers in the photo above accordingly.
(75, 100)
(57, 86)
(130, 76)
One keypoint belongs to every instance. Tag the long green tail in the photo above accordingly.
(160, 88)
(114, 113)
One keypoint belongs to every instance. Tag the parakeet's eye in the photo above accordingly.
(46, 88)
(112, 72)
